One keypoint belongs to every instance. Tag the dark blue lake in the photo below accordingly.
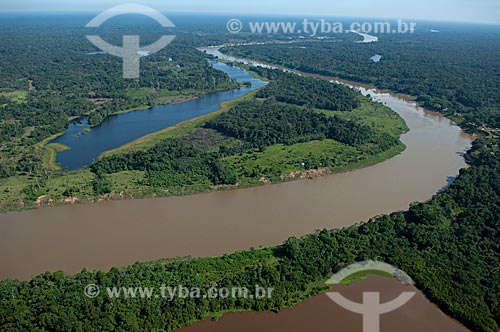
(121, 129)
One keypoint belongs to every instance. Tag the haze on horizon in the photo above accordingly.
(478, 11)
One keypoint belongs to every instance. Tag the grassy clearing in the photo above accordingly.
(19, 96)
(11, 191)
(375, 115)
(279, 160)
(72, 184)
(50, 155)
(59, 189)
(369, 160)
(128, 184)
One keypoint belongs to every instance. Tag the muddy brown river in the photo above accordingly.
(322, 314)
(120, 233)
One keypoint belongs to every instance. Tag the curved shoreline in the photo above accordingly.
(150, 139)
(320, 313)
(121, 129)
(119, 233)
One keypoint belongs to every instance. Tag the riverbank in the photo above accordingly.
(320, 313)
(127, 185)
(180, 129)
(252, 217)
(50, 155)
(241, 219)
(215, 52)
(51, 150)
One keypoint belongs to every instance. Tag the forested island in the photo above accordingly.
(333, 129)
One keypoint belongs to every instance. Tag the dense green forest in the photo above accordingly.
(449, 246)
(262, 124)
(230, 148)
(52, 74)
(172, 163)
(455, 72)
(252, 126)
(292, 89)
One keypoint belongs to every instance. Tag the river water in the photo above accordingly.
(322, 314)
(120, 233)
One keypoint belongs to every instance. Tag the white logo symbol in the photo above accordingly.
(92, 291)
(131, 52)
(234, 26)
(371, 308)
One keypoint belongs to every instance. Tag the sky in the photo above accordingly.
(481, 11)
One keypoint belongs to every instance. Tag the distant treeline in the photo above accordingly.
(455, 72)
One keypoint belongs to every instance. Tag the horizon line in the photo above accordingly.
(292, 15)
